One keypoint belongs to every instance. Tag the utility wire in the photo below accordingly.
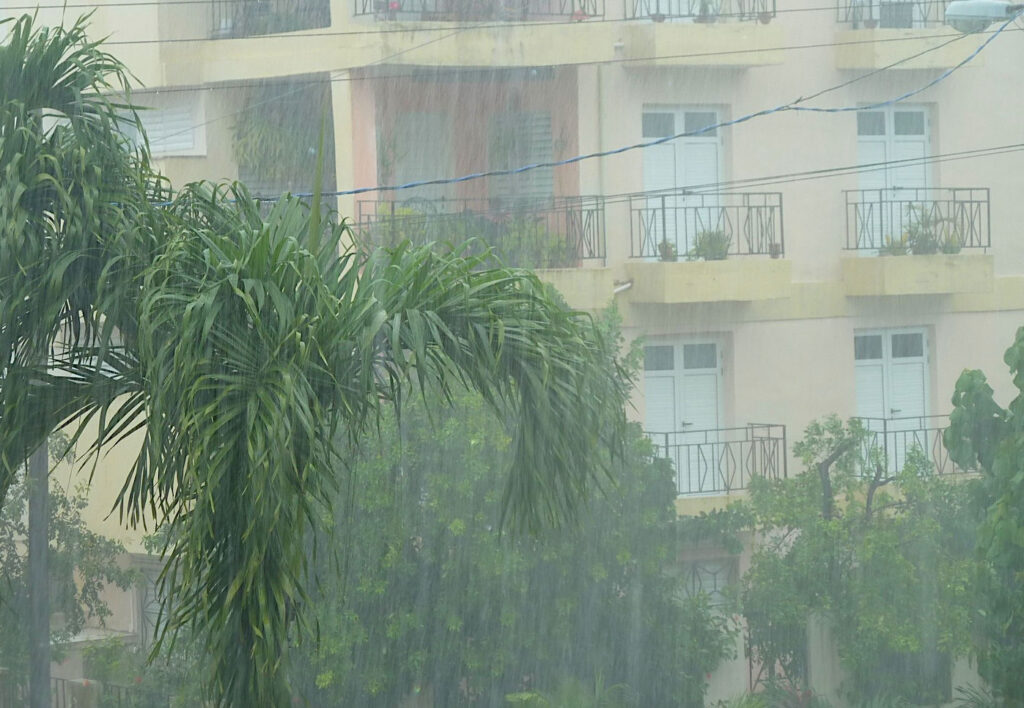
(791, 106)
(404, 28)
(465, 26)
(300, 85)
(822, 173)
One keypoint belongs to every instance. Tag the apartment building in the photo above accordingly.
(809, 312)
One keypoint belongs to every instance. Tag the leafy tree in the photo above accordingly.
(241, 347)
(884, 557)
(985, 436)
(82, 563)
(431, 601)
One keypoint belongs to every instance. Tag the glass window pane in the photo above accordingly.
(698, 120)
(908, 122)
(700, 356)
(870, 123)
(658, 125)
(867, 346)
(907, 345)
(659, 358)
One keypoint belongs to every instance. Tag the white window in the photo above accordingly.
(683, 410)
(174, 125)
(516, 139)
(892, 377)
(684, 163)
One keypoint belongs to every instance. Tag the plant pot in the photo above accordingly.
(764, 18)
(870, 24)
(775, 250)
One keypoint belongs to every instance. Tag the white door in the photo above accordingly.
(889, 135)
(682, 390)
(892, 390)
(690, 162)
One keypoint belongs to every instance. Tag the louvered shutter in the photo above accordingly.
(518, 139)
(420, 149)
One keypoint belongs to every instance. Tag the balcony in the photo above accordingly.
(724, 460)
(877, 14)
(249, 18)
(921, 234)
(876, 28)
(561, 232)
(701, 11)
(478, 10)
(893, 438)
(694, 247)
(728, 33)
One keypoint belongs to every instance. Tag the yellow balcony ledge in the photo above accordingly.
(693, 505)
(878, 48)
(583, 288)
(918, 275)
(726, 44)
(732, 280)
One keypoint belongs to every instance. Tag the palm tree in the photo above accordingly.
(241, 347)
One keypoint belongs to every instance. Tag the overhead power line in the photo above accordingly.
(795, 105)
(382, 27)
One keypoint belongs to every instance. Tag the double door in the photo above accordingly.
(892, 391)
(682, 391)
(893, 194)
(690, 163)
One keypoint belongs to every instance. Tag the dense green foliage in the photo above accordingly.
(241, 346)
(986, 436)
(884, 559)
(432, 600)
(82, 563)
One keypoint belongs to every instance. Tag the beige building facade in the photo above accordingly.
(811, 312)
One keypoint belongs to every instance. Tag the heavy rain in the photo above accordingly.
(462, 353)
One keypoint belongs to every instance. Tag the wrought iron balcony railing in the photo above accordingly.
(701, 10)
(917, 220)
(680, 224)
(869, 14)
(894, 438)
(550, 233)
(479, 10)
(248, 18)
(725, 459)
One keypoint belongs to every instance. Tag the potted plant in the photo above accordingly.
(928, 234)
(894, 247)
(667, 251)
(711, 246)
(775, 249)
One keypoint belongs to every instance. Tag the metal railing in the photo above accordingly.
(869, 14)
(701, 10)
(723, 460)
(933, 220)
(550, 233)
(478, 10)
(248, 18)
(677, 222)
(895, 438)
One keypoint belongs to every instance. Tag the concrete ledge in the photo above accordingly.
(732, 280)
(582, 288)
(918, 275)
(693, 505)
(877, 48)
(729, 44)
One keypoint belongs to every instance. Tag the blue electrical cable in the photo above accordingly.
(792, 106)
